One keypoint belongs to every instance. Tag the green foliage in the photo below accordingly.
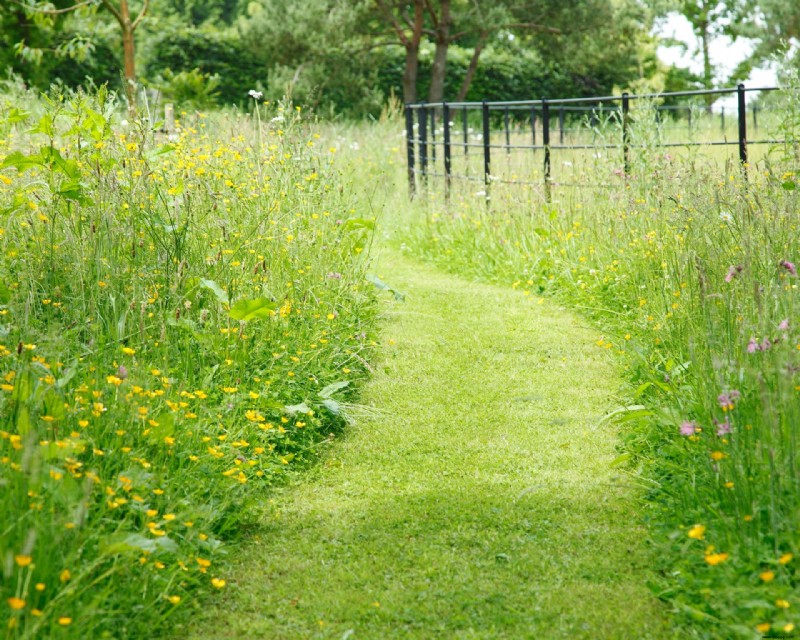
(190, 89)
(200, 54)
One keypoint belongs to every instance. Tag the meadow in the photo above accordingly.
(183, 317)
(687, 269)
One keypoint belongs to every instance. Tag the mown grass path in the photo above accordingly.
(474, 499)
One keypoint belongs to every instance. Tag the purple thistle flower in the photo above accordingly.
(334, 275)
(724, 400)
(765, 344)
(789, 266)
(784, 325)
(122, 372)
(688, 428)
(752, 346)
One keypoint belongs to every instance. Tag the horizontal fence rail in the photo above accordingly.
(548, 122)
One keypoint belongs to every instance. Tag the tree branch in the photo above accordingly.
(398, 28)
(107, 4)
(53, 12)
(141, 15)
(432, 13)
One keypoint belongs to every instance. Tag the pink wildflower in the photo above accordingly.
(733, 271)
(789, 266)
(688, 428)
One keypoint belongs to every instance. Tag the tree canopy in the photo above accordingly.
(350, 56)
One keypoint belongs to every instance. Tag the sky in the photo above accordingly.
(725, 53)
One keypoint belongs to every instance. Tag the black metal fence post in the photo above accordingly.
(447, 166)
(508, 131)
(626, 151)
(433, 137)
(755, 117)
(465, 127)
(533, 126)
(546, 143)
(423, 142)
(722, 119)
(487, 152)
(412, 182)
(742, 104)
(561, 112)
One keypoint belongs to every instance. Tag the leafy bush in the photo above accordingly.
(212, 53)
(190, 89)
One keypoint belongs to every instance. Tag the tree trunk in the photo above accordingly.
(473, 66)
(436, 92)
(409, 41)
(128, 54)
(410, 75)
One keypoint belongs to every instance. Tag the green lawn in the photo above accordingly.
(472, 498)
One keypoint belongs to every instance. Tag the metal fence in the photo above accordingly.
(544, 126)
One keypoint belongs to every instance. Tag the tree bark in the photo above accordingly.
(411, 43)
(410, 75)
(128, 27)
(442, 38)
(128, 54)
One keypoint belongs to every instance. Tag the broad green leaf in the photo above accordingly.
(380, 284)
(358, 223)
(164, 428)
(789, 185)
(136, 543)
(245, 310)
(54, 404)
(294, 409)
(55, 452)
(22, 162)
(5, 293)
(331, 405)
(23, 386)
(16, 115)
(621, 459)
(67, 375)
(624, 414)
(23, 420)
(53, 157)
(328, 391)
(218, 291)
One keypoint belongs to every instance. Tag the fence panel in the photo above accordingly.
(602, 125)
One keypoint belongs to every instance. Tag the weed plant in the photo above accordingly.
(181, 318)
(688, 269)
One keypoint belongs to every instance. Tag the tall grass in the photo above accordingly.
(181, 317)
(688, 270)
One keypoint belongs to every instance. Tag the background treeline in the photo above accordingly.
(349, 57)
